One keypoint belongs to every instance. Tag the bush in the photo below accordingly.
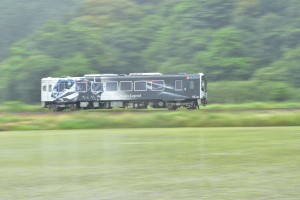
(13, 106)
(17, 106)
(250, 91)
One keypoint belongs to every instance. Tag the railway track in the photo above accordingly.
(119, 111)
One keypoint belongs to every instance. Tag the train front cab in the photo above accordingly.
(203, 90)
(46, 90)
(46, 87)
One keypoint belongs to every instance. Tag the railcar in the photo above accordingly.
(136, 90)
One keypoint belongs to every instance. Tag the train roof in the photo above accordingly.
(152, 74)
(131, 74)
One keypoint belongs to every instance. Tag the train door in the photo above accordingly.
(46, 90)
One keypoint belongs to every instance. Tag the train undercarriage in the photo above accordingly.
(170, 105)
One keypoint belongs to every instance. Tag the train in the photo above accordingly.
(134, 90)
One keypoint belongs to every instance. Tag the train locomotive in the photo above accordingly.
(136, 90)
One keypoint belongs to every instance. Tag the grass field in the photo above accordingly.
(15, 116)
(148, 119)
(178, 163)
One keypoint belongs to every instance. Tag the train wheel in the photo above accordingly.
(172, 107)
(161, 104)
(73, 107)
(191, 106)
(55, 108)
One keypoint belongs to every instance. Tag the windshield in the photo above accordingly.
(203, 83)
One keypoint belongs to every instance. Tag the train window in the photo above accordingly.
(50, 88)
(178, 85)
(192, 85)
(97, 87)
(158, 85)
(81, 87)
(112, 86)
(140, 85)
(61, 87)
(202, 85)
(126, 86)
(44, 88)
(69, 84)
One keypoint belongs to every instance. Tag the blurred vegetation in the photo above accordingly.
(19, 116)
(19, 18)
(19, 107)
(249, 49)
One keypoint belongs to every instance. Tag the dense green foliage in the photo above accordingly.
(19, 18)
(181, 163)
(250, 49)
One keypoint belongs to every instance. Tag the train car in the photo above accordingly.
(136, 90)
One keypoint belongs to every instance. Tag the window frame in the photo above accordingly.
(192, 85)
(50, 88)
(131, 87)
(163, 86)
(111, 82)
(140, 82)
(92, 87)
(82, 90)
(59, 87)
(176, 89)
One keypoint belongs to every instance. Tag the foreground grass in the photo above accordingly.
(181, 163)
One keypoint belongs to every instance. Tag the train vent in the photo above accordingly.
(93, 75)
(145, 74)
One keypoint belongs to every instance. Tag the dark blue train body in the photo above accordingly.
(137, 90)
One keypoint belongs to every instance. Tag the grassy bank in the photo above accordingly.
(17, 107)
(18, 116)
(148, 119)
(181, 163)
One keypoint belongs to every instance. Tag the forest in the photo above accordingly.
(250, 50)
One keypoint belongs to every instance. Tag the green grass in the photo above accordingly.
(19, 107)
(254, 105)
(148, 119)
(16, 106)
(177, 163)
(18, 116)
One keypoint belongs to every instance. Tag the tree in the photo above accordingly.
(19, 18)
(284, 70)
(226, 56)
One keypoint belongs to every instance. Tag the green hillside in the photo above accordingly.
(248, 49)
(19, 18)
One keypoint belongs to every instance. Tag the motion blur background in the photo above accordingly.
(249, 49)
